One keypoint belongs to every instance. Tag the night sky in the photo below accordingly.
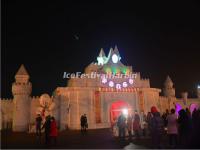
(49, 38)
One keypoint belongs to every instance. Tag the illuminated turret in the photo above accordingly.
(116, 51)
(21, 90)
(110, 54)
(184, 96)
(168, 90)
(101, 58)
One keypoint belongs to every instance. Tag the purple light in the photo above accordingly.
(178, 108)
(193, 106)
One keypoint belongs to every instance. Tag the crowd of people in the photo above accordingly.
(50, 129)
(182, 129)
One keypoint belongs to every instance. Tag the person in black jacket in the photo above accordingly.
(184, 128)
(85, 122)
(38, 121)
(47, 127)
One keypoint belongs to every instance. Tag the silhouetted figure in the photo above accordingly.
(129, 125)
(194, 143)
(190, 120)
(121, 123)
(164, 116)
(143, 123)
(188, 112)
(156, 128)
(136, 125)
(47, 127)
(195, 117)
(184, 128)
(38, 122)
(53, 131)
(172, 128)
(84, 124)
(148, 120)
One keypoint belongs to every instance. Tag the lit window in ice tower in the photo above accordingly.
(130, 81)
(118, 86)
(124, 84)
(104, 80)
(111, 83)
(114, 58)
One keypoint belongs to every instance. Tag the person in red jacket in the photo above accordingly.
(53, 130)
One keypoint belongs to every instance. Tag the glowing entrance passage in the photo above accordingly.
(117, 108)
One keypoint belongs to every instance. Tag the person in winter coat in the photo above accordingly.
(164, 116)
(156, 128)
(47, 127)
(82, 123)
(172, 128)
(38, 121)
(53, 130)
(148, 121)
(136, 125)
(194, 143)
(143, 123)
(85, 122)
(121, 123)
(129, 125)
(184, 128)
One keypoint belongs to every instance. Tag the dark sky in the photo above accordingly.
(157, 39)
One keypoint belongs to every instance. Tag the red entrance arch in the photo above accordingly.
(117, 108)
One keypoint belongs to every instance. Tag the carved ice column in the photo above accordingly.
(92, 110)
(104, 109)
(145, 103)
(74, 110)
(63, 112)
(136, 101)
(56, 112)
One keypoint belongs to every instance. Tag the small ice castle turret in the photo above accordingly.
(102, 57)
(168, 90)
(21, 90)
(184, 96)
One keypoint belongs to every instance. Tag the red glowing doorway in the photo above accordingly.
(117, 108)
